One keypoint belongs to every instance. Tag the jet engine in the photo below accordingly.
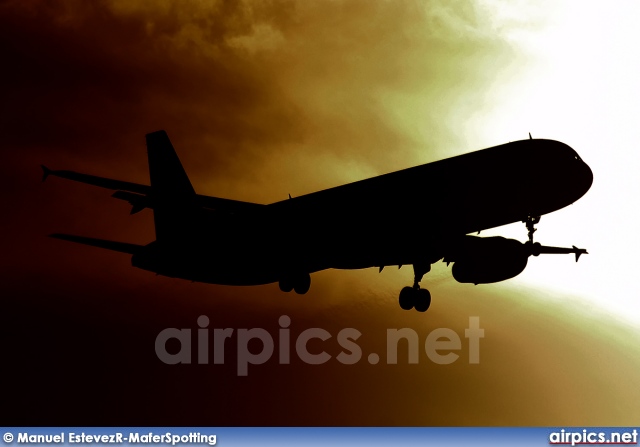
(487, 260)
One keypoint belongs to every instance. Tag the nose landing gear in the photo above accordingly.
(531, 221)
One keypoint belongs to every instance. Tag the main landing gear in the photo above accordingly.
(299, 282)
(415, 297)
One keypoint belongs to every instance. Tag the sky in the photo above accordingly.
(266, 99)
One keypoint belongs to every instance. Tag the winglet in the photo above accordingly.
(45, 172)
(579, 251)
(530, 136)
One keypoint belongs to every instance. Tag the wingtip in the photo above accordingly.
(579, 252)
(45, 172)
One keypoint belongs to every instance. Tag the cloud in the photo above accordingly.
(240, 85)
(260, 99)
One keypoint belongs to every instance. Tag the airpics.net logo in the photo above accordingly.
(441, 345)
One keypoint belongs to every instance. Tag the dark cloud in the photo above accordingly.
(83, 351)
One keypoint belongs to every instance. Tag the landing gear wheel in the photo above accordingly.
(422, 300)
(406, 298)
(302, 284)
(286, 285)
(411, 297)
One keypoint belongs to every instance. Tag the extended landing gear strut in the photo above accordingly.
(415, 297)
(530, 222)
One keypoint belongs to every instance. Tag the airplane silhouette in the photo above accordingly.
(415, 216)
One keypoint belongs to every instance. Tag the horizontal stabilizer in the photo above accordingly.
(122, 247)
(135, 192)
(96, 181)
(138, 202)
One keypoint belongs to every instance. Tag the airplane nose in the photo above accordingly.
(587, 175)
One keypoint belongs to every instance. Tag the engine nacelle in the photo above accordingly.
(488, 260)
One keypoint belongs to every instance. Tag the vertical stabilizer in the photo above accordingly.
(171, 189)
(167, 174)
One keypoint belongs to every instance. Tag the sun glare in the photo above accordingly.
(576, 81)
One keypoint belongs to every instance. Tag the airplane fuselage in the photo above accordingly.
(400, 218)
